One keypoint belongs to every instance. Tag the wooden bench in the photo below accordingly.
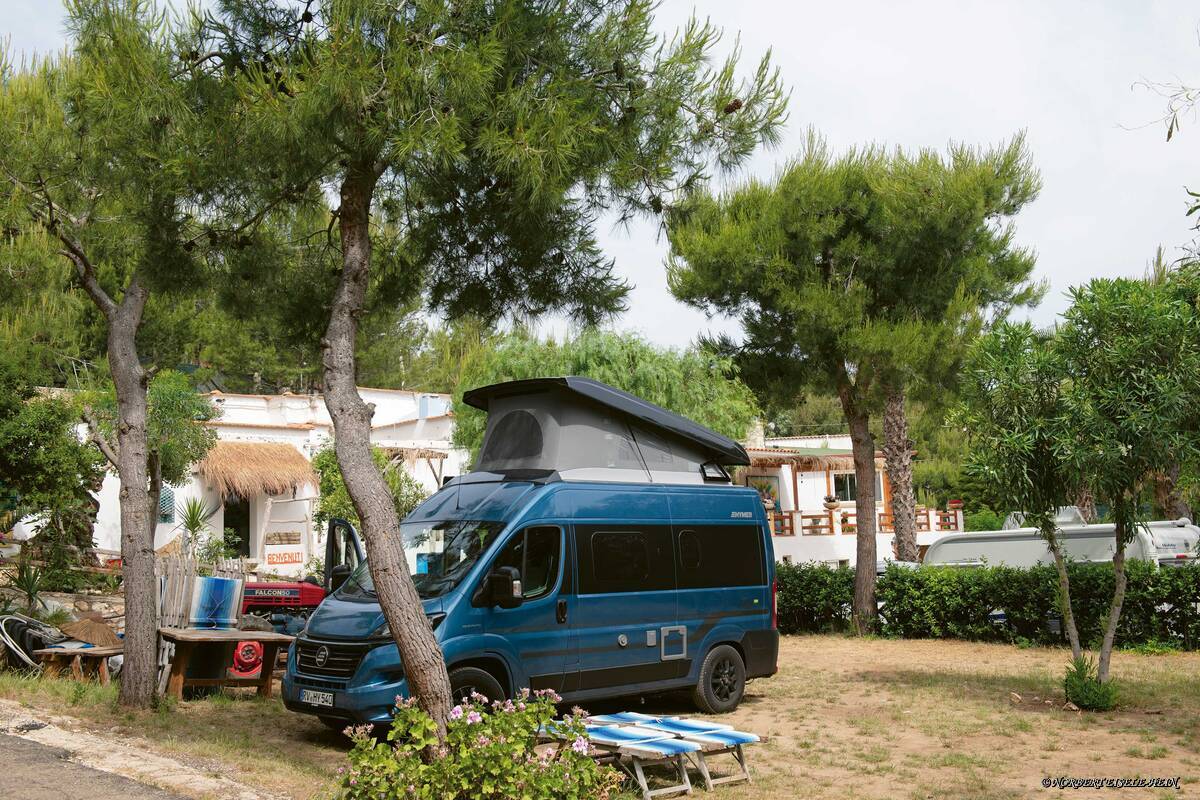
(189, 640)
(81, 661)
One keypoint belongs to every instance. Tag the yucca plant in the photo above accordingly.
(194, 515)
(30, 581)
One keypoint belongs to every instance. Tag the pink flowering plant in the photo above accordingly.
(493, 749)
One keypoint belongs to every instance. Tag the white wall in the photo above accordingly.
(401, 419)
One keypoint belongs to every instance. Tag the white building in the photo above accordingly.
(797, 474)
(259, 479)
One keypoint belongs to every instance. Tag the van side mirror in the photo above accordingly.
(503, 588)
(338, 576)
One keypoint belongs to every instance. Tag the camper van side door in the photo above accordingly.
(537, 630)
(626, 617)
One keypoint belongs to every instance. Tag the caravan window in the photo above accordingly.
(628, 560)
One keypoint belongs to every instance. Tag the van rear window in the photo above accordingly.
(711, 556)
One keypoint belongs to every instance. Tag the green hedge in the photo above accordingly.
(1161, 605)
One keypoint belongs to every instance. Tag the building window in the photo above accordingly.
(845, 487)
(166, 506)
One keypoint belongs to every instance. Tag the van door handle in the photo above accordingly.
(560, 611)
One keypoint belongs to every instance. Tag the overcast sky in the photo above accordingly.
(918, 74)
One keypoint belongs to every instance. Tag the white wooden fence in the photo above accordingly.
(176, 583)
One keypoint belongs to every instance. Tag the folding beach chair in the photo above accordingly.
(716, 742)
(641, 748)
(711, 739)
(636, 718)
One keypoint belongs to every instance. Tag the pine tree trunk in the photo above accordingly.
(140, 667)
(863, 611)
(897, 453)
(424, 665)
(1064, 591)
(1114, 611)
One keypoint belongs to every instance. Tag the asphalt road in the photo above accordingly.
(32, 771)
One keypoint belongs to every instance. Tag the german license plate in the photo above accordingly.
(315, 698)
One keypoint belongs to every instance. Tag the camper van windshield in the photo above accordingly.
(439, 554)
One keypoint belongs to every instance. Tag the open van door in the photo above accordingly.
(343, 553)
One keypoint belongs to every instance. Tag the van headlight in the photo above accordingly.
(384, 632)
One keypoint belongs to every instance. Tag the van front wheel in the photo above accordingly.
(722, 681)
(465, 680)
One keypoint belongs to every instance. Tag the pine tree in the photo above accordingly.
(470, 145)
(853, 274)
(106, 166)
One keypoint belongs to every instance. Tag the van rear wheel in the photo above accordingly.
(722, 681)
(465, 680)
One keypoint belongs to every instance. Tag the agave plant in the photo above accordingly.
(194, 515)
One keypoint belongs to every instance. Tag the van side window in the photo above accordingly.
(535, 553)
(720, 555)
(626, 560)
(690, 557)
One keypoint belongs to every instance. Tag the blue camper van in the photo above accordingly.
(599, 549)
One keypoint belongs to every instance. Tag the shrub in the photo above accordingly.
(1000, 604)
(983, 520)
(1085, 690)
(489, 752)
(813, 598)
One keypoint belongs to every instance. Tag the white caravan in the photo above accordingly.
(1167, 543)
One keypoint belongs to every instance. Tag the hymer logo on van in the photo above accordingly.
(741, 515)
(321, 656)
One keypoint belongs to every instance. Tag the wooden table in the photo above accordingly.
(188, 640)
(80, 660)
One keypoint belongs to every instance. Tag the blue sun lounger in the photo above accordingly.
(710, 739)
(645, 747)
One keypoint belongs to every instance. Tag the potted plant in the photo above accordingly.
(955, 505)
(831, 502)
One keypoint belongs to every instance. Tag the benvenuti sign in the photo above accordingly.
(283, 547)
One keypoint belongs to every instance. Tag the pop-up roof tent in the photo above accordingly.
(587, 430)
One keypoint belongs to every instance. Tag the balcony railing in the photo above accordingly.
(845, 521)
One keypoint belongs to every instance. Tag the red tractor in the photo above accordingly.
(285, 605)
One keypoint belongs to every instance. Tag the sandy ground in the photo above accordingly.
(931, 719)
(844, 718)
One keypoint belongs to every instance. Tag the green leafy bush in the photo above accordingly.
(813, 598)
(490, 752)
(216, 546)
(1084, 689)
(334, 498)
(983, 520)
(999, 604)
